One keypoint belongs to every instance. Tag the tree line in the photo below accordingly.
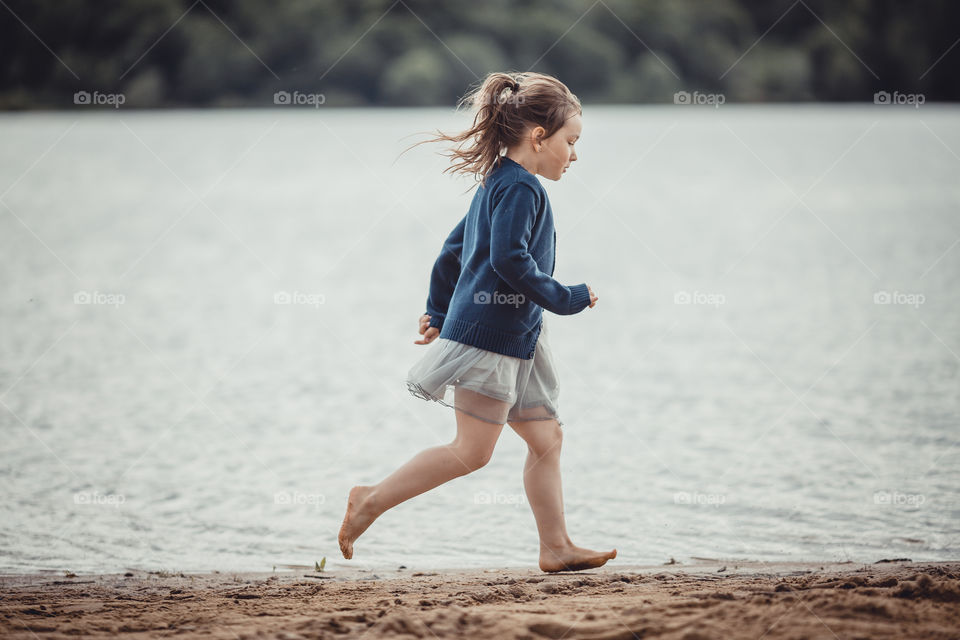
(255, 53)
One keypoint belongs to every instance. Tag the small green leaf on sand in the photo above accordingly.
(319, 566)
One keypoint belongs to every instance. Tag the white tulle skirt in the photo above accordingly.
(488, 385)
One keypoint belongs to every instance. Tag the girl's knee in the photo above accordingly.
(473, 457)
(552, 440)
(542, 437)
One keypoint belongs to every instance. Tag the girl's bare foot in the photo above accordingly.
(573, 558)
(360, 515)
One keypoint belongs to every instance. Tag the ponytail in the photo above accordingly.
(505, 104)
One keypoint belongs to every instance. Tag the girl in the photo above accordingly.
(488, 290)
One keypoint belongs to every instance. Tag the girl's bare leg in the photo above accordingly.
(541, 480)
(469, 451)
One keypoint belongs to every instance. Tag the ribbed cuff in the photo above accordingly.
(580, 299)
(436, 320)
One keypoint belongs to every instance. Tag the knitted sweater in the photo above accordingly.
(494, 275)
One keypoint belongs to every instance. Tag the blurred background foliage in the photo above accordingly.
(171, 53)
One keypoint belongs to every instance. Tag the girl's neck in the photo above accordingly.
(524, 162)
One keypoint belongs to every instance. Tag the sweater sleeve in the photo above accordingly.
(443, 278)
(511, 225)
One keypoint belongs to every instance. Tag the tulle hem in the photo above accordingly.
(418, 391)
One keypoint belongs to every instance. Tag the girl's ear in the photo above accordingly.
(536, 136)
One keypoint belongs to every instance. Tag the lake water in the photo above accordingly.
(771, 371)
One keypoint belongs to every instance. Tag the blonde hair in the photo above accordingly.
(505, 105)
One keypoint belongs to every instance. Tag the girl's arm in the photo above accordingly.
(510, 225)
(443, 278)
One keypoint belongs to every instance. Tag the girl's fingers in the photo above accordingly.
(429, 336)
(424, 323)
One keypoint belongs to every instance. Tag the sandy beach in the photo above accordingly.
(894, 599)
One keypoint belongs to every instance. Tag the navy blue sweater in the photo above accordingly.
(494, 275)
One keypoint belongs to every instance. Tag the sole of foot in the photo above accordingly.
(354, 521)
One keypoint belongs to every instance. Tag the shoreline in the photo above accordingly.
(340, 573)
(712, 599)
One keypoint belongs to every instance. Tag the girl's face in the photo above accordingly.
(557, 152)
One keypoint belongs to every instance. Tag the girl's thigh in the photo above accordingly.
(478, 425)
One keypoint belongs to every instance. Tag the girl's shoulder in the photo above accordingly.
(508, 173)
(518, 190)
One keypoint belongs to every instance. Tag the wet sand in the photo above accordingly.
(707, 600)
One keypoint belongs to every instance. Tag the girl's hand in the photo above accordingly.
(593, 298)
(429, 333)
